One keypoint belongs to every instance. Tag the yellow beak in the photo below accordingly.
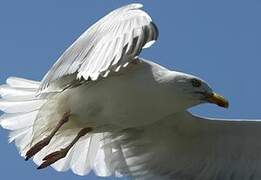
(218, 100)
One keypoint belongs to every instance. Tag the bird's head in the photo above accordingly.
(197, 91)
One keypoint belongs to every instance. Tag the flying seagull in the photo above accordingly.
(103, 108)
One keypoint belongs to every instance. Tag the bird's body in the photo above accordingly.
(102, 108)
(104, 102)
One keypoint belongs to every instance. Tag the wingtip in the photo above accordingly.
(133, 6)
(138, 5)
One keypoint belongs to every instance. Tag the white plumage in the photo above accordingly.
(111, 43)
(137, 111)
(20, 115)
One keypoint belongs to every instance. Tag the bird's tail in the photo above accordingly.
(21, 109)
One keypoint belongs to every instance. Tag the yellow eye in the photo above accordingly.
(196, 83)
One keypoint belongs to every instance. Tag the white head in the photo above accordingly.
(191, 90)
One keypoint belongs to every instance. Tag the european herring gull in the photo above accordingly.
(103, 108)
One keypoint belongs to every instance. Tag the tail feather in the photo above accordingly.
(18, 120)
(21, 106)
(17, 134)
(22, 83)
(26, 116)
(22, 141)
(12, 93)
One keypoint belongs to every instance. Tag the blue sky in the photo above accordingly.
(219, 41)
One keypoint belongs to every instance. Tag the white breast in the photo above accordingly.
(132, 98)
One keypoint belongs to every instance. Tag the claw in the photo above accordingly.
(52, 158)
(52, 155)
(37, 147)
(57, 155)
(40, 145)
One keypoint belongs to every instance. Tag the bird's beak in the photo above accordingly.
(218, 100)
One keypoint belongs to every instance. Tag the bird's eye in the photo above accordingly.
(196, 83)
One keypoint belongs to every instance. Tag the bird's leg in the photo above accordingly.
(57, 155)
(40, 145)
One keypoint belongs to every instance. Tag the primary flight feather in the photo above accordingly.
(103, 108)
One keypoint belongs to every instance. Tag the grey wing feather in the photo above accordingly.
(184, 146)
(112, 42)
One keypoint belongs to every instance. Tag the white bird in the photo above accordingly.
(102, 108)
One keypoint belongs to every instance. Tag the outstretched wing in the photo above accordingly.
(108, 45)
(188, 147)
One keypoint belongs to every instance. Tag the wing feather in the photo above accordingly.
(185, 146)
(112, 42)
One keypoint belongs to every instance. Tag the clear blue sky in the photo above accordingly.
(219, 41)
